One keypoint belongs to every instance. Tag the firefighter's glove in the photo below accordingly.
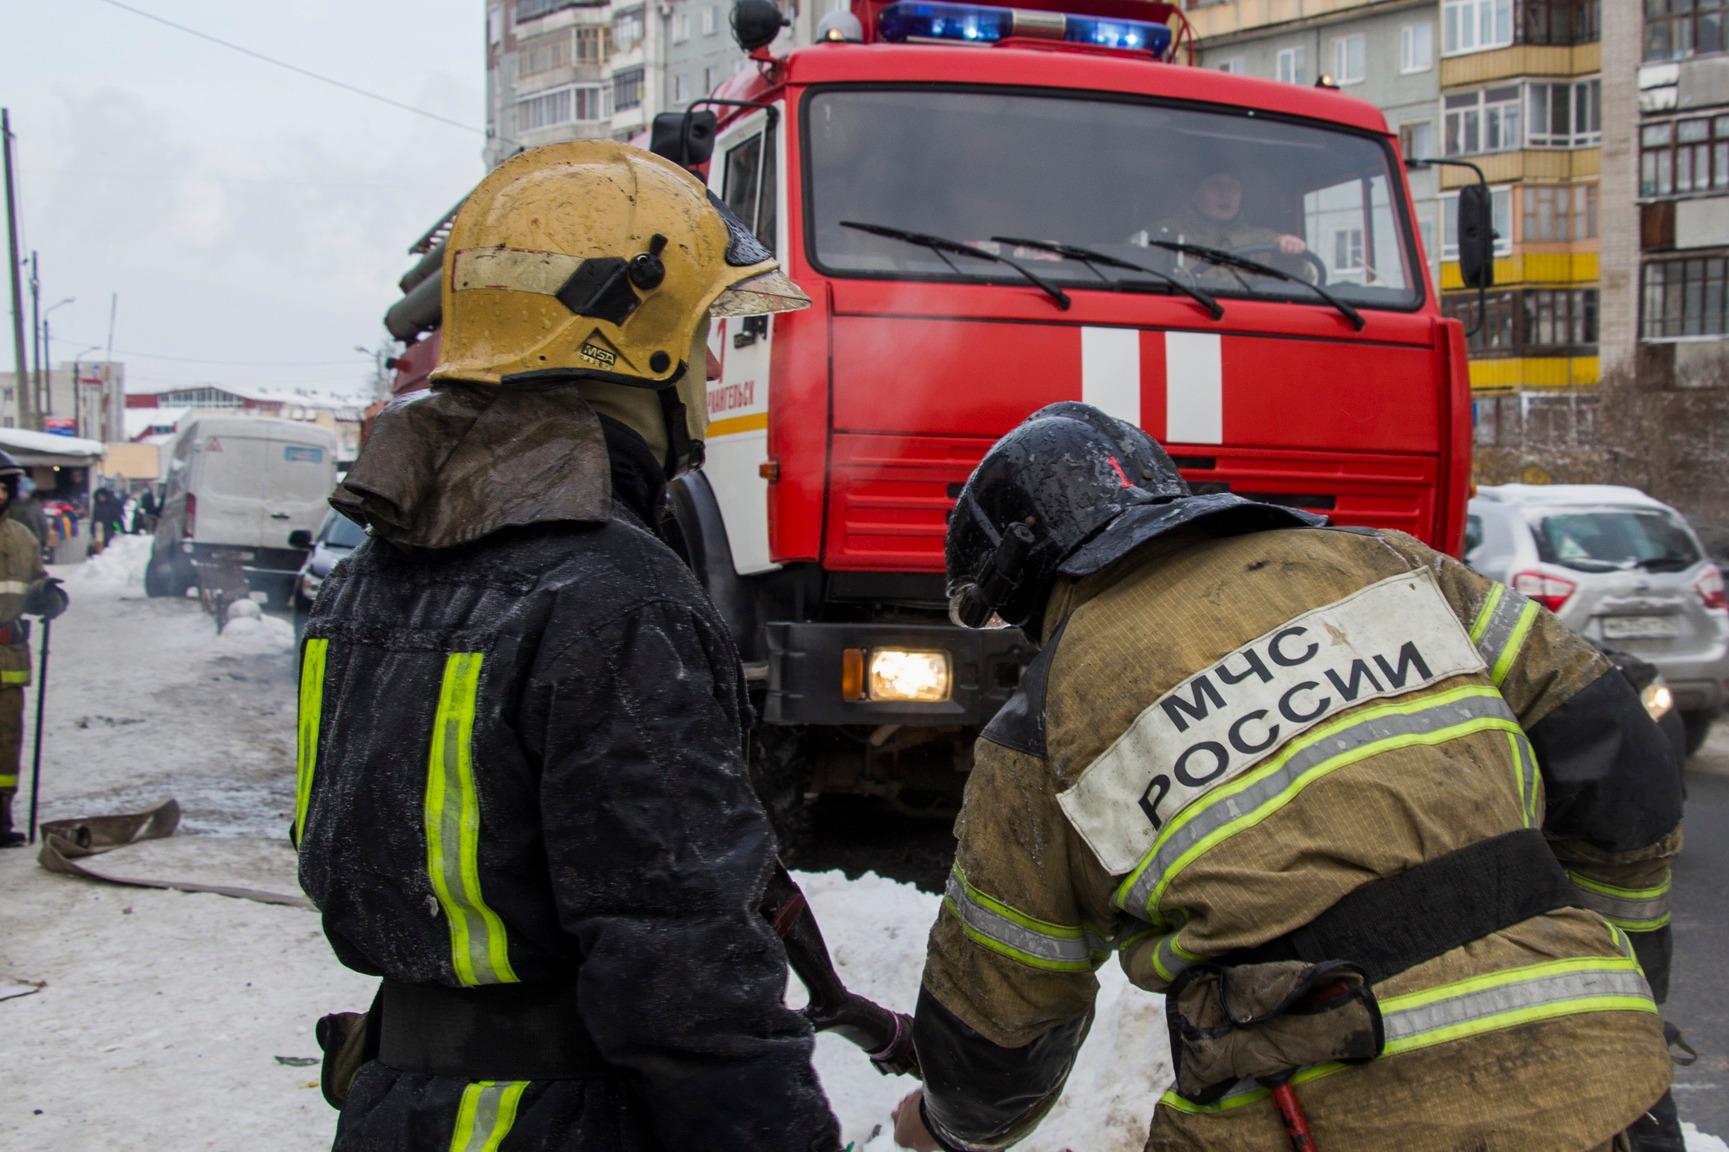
(349, 1039)
(46, 599)
(1255, 1021)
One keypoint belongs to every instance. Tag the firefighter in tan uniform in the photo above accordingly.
(1387, 835)
(25, 587)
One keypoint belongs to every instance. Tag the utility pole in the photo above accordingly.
(19, 365)
(36, 341)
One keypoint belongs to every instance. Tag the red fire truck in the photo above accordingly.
(992, 210)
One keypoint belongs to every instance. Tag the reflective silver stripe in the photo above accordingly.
(1019, 936)
(1503, 621)
(1168, 960)
(1495, 1003)
(1387, 723)
(1644, 908)
(13, 587)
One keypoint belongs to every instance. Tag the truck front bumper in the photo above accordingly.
(806, 666)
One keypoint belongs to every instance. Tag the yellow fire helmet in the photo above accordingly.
(599, 260)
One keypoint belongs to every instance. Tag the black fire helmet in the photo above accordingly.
(1065, 493)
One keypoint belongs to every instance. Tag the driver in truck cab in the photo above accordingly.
(1213, 218)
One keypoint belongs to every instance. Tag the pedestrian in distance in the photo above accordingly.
(26, 509)
(1391, 840)
(522, 796)
(25, 589)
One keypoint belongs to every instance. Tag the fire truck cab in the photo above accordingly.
(993, 210)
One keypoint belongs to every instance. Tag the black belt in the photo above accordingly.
(1397, 923)
(495, 1032)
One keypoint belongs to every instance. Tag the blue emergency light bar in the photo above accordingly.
(986, 24)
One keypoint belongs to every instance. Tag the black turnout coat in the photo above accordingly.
(522, 761)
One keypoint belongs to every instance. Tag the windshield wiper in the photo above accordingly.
(1231, 260)
(943, 247)
(1664, 563)
(1090, 258)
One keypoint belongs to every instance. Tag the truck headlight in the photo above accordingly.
(903, 675)
(1657, 698)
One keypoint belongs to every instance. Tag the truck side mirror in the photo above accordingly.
(685, 138)
(1476, 232)
(300, 538)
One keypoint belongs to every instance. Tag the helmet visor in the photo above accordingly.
(771, 291)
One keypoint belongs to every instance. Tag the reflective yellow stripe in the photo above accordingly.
(1007, 931)
(485, 1115)
(8, 781)
(18, 676)
(478, 949)
(1480, 1004)
(312, 661)
(1633, 909)
(1481, 623)
(1504, 662)
(1254, 796)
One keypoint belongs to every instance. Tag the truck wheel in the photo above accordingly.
(154, 584)
(1698, 727)
(779, 772)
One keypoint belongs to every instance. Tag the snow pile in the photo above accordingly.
(1698, 1141)
(249, 630)
(876, 932)
(118, 571)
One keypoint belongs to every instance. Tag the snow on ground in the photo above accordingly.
(174, 1021)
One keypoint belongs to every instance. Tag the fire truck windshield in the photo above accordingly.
(1149, 184)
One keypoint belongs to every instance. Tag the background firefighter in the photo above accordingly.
(25, 587)
(1365, 816)
(522, 797)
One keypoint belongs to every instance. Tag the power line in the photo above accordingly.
(352, 360)
(344, 85)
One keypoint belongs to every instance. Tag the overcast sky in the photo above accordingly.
(241, 212)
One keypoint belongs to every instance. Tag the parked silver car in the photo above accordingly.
(1620, 568)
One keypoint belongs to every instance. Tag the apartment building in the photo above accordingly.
(1666, 284)
(582, 70)
(1381, 51)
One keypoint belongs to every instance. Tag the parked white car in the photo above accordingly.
(241, 485)
(1620, 568)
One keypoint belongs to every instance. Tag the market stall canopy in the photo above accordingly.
(38, 449)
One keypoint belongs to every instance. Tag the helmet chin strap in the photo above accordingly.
(682, 452)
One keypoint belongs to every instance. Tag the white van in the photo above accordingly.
(241, 484)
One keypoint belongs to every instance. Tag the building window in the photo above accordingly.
(1676, 29)
(1231, 64)
(1560, 22)
(592, 44)
(680, 89)
(1495, 334)
(1416, 48)
(543, 54)
(1558, 213)
(1560, 318)
(627, 89)
(1686, 298)
(1501, 206)
(1475, 25)
(1563, 115)
(1684, 156)
(583, 103)
(627, 29)
(1483, 121)
(1348, 250)
(681, 28)
(1293, 69)
(1348, 60)
(1417, 138)
(533, 9)
(710, 77)
(710, 20)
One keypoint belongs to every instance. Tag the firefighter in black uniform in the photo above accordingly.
(522, 797)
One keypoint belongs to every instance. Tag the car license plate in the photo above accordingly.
(1640, 627)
